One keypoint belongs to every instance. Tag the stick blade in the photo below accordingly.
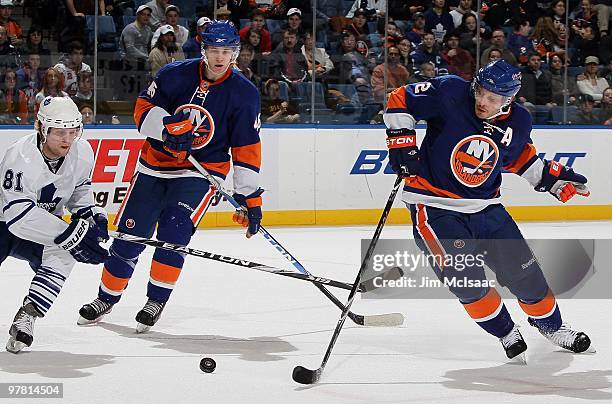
(306, 376)
(384, 320)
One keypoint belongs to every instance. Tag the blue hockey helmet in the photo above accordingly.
(220, 33)
(499, 77)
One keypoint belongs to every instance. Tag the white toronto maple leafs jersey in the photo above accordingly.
(33, 198)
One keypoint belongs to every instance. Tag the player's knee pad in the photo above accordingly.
(175, 226)
(125, 250)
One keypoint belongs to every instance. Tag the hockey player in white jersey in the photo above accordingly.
(41, 174)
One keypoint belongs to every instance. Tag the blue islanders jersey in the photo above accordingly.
(225, 113)
(461, 157)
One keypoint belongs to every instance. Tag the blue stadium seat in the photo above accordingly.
(107, 32)
(184, 22)
(347, 6)
(273, 25)
(372, 26)
(557, 114)
(304, 91)
(244, 22)
(574, 71)
(128, 19)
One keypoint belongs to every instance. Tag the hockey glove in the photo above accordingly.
(82, 241)
(178, 135)
(252, 217)
(403, 151)
(98, 219)
(562, 182)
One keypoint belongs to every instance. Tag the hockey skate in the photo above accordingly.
(22, 330)
(514, 345)
(565, 337)
(93, 312)
(148, 316)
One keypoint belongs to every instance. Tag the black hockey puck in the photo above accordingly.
(208, 365)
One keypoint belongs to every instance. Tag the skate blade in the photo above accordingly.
(142, 328)
(82, 321)
(520, 359)
(14, 346)
(590, 350)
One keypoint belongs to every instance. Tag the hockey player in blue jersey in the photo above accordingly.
(198, 107)
(42, 174)
(474, 131)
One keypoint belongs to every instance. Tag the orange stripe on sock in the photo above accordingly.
(540, 308)
(485, 306)
(112, 282)
(164, 273)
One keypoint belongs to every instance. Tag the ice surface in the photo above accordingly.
(259, 326)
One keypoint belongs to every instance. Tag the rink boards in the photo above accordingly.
(339, 176)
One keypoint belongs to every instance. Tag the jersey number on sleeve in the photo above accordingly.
(421, 87)
(11, 179)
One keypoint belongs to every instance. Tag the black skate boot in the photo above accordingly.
(22, 329)
(514, 344)
(93, 312)
(148, 316)
(567, 338)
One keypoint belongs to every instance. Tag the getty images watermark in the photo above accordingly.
(405, 269)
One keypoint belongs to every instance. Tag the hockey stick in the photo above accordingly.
(317, 280)
(377, 320)
(307, 376)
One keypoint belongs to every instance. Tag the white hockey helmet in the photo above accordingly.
(58, 112)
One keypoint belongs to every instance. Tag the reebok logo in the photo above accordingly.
(177, 128)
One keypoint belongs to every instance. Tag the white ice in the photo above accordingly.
(259, 326)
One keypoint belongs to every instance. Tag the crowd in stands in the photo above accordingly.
(353, 51)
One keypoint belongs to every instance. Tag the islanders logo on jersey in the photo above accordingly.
(473, 160)
(203, 123)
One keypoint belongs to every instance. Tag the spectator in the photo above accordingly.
(351, 67)
(585, 115)
(405, 48)
(604, 12)
(557, 11)
(438, 20)
(545, 38)
(13, 28)
(322, 62)
(465, 7)
(85, 91)
(426, 71)
(165, 51)
(498, 40)
(557, 70)
(418, 29)
(468, 34)
(53, 84)
(13, 102)
(586, 16)
(193, 47)
(288, 62)
(223, 14)
(415, 6)
(294, 23)
(273, 108)
(258, 24)
(519, 43)
(605, 113)
(494, 55)
(397, 75)
(428, 51)
(9, 56)
(586, 44)
(460, 62)
(172, 18)
(72, 66)
(34, 44)
(607, 73)
(158, 13)
(73, 29)
(536, 84)
(135, 39)
(590, 83)
(86, 110)
(373, 8)
(359, 25)
(30, 78)
(245, 58)
(254, 39)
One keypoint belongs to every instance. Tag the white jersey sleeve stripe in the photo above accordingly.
(20, 215)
